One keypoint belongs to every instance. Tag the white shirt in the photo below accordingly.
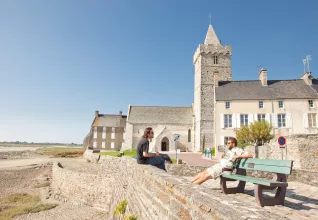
(227, 161)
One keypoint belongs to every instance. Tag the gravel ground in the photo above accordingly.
(23, 172)
(23, 180)
(12, 155)
(66, 212)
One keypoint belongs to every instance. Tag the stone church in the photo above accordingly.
(220, 107)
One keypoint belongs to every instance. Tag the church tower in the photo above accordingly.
(212, 63)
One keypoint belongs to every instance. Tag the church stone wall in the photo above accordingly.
(206, 69)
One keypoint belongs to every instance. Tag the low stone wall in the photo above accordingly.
(302, 149)
(184, 169)
(150, 193)
(90, 156)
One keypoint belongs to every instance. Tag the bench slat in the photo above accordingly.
(255, 180)
(275, 166)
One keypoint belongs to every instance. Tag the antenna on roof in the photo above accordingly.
(258, 69)
(306, 61)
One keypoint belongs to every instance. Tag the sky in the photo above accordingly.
(61, 60)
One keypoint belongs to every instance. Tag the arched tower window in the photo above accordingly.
(189, 135)
(215, 59)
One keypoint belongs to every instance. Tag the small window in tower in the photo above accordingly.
(215, 59)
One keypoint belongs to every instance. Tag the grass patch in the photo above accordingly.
(129, 153)
(174, 160)
(46, 184)
(61, 152)
(20, 204)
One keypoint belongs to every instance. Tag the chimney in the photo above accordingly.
(263, 77)
(96, 113)
(307, 77)
(120, 112)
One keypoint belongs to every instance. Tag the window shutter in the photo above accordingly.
(222, 121)
(233, 120)
(305, 120)
(250, 118)
(289, 122)
(274, 121)
(238, 121)
(268, 118)
(255, 118)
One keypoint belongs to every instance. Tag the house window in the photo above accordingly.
(103, 144)
(215, 59)
(311, 103)
(225, 140)
(113, 130)
(261, 104)
(244, 119)
(94, 144)
(281, 120)
(189, 135)
(312, 120)
(261, 117)
(112, 145)
(227, 105)
(227, 121)
(280, 104)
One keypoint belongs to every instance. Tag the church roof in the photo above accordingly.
(276, 89)
(160, 115)
(211, 37)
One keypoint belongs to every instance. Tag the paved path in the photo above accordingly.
(301, 200)
(194, 159)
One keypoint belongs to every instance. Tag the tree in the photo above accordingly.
(258, 132)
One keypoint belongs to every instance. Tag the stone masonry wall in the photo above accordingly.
(302, 149)
(150, 192)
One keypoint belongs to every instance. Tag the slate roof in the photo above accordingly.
(160, 115)
(276, 89)
(110, 120)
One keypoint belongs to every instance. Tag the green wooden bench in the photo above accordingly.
(280, 169)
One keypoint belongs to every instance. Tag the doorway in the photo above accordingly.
(165, 144)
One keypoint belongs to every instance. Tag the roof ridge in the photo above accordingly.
(259, 80)
(165, 106)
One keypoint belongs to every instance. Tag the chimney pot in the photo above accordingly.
(307, 77)
(96, 113)
(263, 77)
(120, 112)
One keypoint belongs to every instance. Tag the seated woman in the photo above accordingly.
(226, 162)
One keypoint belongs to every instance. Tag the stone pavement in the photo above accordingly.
(193, 159)
(301, 200)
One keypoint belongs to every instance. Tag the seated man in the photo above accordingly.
(143, 157)
(226, 162)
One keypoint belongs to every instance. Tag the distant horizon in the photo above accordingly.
(60, 61)
(38, 143)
